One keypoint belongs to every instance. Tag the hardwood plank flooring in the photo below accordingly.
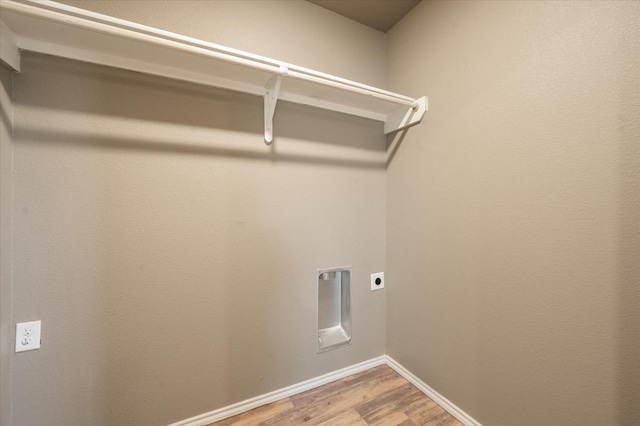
(378, 396)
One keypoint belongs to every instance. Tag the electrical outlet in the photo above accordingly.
(377, 281)
(28, 336)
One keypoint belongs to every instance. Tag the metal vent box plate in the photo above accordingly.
(334, 308)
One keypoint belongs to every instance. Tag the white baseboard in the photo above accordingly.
(249, 404)
(453, 409)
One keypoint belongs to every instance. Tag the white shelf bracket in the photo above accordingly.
(9, 51)
(406, 117)
(270, 100)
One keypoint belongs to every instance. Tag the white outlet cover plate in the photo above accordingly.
(374, 277)
(28, 336)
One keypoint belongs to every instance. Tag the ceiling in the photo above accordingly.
(378, 14)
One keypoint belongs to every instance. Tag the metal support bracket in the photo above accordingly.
(270, 100)
(403, 117)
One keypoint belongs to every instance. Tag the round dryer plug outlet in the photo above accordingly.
(377, 281)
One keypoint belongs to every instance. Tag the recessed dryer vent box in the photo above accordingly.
(334, 308)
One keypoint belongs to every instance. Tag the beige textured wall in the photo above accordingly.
(514, 209)
(6, 158)
(170, 254)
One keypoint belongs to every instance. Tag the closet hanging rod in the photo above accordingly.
(133, 31)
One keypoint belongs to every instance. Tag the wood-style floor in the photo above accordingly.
(378, 396)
